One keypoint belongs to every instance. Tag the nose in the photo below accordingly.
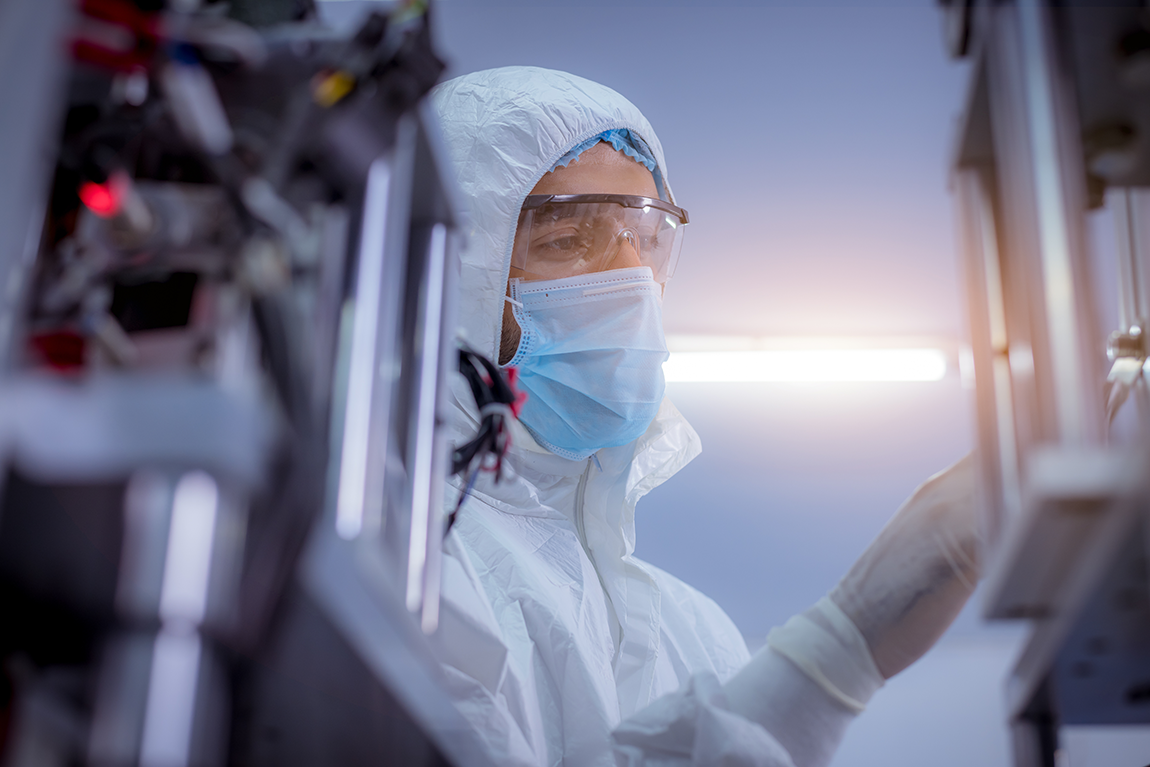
(628, 254)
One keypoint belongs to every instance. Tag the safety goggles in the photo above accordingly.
(572, 234)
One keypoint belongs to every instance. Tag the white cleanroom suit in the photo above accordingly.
(555, 639)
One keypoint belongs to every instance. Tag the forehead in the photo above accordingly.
(599, 170)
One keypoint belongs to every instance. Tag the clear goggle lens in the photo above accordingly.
(569, 235)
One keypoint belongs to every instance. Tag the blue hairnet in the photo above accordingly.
(623, 140)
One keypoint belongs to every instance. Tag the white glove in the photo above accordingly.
(914, 578)
(819, 670)
(813, 677)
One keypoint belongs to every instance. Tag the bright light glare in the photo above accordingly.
(805, 365)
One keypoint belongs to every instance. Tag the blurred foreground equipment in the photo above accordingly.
(1056, 134)
(225, 284)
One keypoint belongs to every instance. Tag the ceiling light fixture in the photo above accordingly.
(734, 359)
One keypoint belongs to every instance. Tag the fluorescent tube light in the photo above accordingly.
(722, 360)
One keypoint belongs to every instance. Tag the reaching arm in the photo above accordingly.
(791, 704)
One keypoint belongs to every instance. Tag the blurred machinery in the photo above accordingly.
(1056, 135)
(226, 241)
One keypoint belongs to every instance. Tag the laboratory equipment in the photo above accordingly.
(227, 246)
(1055, 129)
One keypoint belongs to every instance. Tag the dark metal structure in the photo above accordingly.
(226, 248)
(1057, 125)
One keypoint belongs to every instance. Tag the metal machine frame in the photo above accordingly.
(212, 612)
(1050, 131)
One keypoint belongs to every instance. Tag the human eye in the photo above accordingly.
(563, 244)
(650, 239)
(659, 235)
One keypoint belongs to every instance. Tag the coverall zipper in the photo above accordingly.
(580, 528)
(581, 533)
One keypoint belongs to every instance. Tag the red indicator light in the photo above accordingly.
(62, 350)
(102, 199)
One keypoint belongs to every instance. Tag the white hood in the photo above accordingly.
(504, 129)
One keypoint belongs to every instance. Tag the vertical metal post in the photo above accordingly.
(1131, 299)
(1035, 742)
(33, 57)
(162, 701)
(353, 497)
(1056, 208)
(426, 448)
(992, 348)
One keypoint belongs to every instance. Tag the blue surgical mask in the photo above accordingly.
(590, 358)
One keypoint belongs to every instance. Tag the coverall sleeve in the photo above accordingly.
(788, 707)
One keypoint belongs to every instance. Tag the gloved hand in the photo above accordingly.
(914, 578)
(819, 670)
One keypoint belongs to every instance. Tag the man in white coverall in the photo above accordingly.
(558, 644)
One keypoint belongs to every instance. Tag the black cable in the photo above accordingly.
(497, 399)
